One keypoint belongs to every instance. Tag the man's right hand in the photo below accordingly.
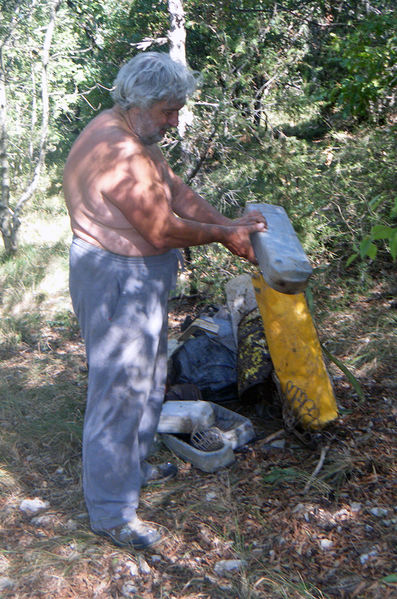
(238, 237)
(255, 216)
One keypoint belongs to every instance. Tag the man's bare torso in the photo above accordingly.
(102, 162)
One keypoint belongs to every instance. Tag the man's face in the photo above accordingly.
(151, 124)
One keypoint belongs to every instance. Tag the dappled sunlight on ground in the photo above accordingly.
(46, 228)
(294, 535)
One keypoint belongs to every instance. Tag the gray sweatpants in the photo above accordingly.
(121, 305)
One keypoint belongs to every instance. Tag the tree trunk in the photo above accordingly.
(5, 212)
(10, 219)
(177, 43)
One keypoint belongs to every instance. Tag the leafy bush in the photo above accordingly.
(365, 60)
(387, 233)
(337, 191)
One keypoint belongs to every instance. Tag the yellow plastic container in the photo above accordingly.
(296, 355)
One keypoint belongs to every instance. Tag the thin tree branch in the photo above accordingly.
(324, 451)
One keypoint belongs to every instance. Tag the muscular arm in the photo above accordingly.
(186, 203)
(189, 204)
(181, 220)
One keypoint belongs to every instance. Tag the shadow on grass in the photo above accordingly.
(23, 273)
(42, 398)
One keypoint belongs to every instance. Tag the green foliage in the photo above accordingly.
(280, 476)
(367, 247)
(349, 375)
(390, 579)
(327, 187)
(263, 64)
(366, 59)
(28, 281)
(93, 41)
(208, 272)
(277, 475)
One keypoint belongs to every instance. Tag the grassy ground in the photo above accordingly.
(297, 535)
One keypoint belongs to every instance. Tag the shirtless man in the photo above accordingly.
(129, 212)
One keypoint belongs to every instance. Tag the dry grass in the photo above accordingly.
(296, 541)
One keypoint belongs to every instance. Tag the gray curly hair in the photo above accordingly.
(151, 77)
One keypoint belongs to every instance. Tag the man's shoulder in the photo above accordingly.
(107, 126)
(109, 137)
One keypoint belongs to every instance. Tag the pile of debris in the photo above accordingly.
(261, 347)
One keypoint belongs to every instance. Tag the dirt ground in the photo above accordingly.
(302, 518)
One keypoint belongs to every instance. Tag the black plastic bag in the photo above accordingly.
(209, 362)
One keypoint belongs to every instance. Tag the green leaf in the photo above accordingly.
(389, 578)
(367, 248)
(393, 246)
(351, 259)
(374, 203)
(350, 376)
(309, 299)
(382, 232)
(281, 474)
(393, 212)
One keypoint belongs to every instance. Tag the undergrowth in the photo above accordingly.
(255, 516)
(334, 189)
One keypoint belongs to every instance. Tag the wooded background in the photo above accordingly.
(297, 105)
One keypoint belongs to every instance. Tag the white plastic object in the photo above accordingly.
(207, 461)
(185, 416)
(235, 430)
(281, 258)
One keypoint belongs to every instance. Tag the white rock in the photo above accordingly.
(128, 589)
(364, 557)
(342, 514)
(326, 544)
(6, 583)
(387, 523)
(43, 521)
(33, 506)
(380, 512)
(278, 444)
(281, 541)
(226, 588)
(228, 565)
(391, 522)
(144, 567)
(299, 508)
(210, 496)
(355, 506)
(132, 568)
(156, 558)
(71, 525)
